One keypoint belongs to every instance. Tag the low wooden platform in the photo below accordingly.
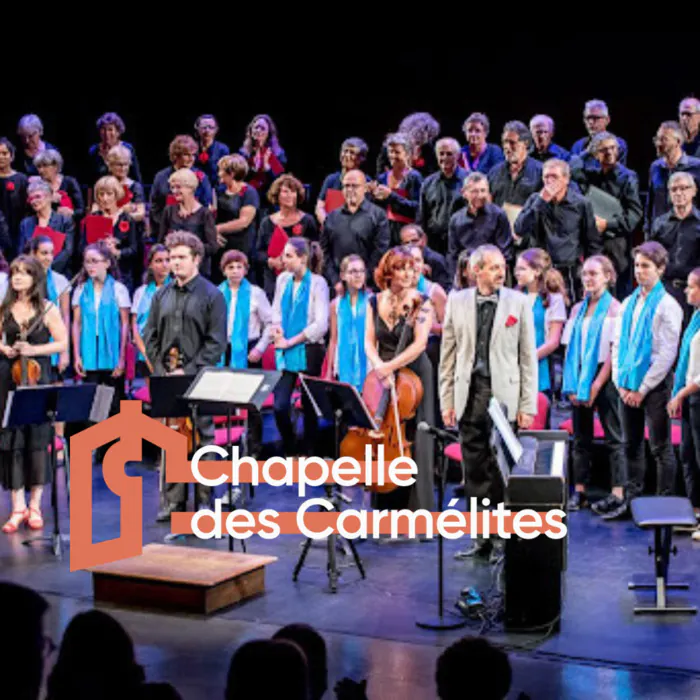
(181, 579)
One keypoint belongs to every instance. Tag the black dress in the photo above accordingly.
(23, 451)
(421, 495)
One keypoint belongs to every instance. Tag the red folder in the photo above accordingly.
(334, 200)
(97, 228)
(277, 242)
(128, 196)
(66, 201)
(58, 239)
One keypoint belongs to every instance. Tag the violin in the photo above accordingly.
(173, 362)
(391, 407)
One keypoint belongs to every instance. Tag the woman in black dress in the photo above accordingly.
(187, 214)
(31, 133)
(67, 197)
(386, 318)
(288, 194)
(13, 193)
(111, 127)
(24, 451)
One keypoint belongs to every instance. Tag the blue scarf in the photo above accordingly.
(52, 295)
(352, 361)
(422, 285)
(143, 310)
(106, 356)
(684, 355)
(241, 319)
(634, 358)
(295, 313)
(580, 368)
(539, 311)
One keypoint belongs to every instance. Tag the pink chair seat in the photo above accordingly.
(143, 394)
(222, 420)
(598, 432)
(221, 437)
(269, 402)
(57, 443)
(454, 451)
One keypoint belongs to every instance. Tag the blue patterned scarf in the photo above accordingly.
(352, 361)
(102, 355)
(684, 355)
(241, 320)
(295, 314)
(580, 368)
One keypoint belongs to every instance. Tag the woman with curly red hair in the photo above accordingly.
(388, 313)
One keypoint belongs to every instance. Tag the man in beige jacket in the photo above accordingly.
(488, 349)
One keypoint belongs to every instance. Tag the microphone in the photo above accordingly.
(446, 435)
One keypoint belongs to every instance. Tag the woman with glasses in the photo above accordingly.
(67, 198)
(133, 201)
(211, 151)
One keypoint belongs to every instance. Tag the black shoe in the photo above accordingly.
(458, 491)
(620, 512)
(605, 505)
(577, 501)
(480, 548)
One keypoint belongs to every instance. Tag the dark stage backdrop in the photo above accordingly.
(319, 93)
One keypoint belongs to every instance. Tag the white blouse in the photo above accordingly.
(607, 334)
(3, 285)
(121, 294)
(555, 311)
(317, 317)
(694, 363)
(666, 333)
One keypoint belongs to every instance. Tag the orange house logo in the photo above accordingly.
(130, 426)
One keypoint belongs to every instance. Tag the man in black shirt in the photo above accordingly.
(519, 176)
(679, 232)
(413, 234)
(359, 227)
(479, 223)
(689, 118)
(188, 315)
(440, 194)
(561, 221)
(613, 178)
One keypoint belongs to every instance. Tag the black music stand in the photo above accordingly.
(341, 404)
(36, 405)
(217, 389)
(441, 622)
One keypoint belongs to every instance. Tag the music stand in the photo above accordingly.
(36, 405)
(339, 403)
(216, 389)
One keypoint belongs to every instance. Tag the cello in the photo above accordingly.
(391, 407)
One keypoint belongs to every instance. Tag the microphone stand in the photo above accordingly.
(441, 622)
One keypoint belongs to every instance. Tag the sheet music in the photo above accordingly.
(505, 431)
(101, 403)
(512, 211)
(604, 205)
(228, 387)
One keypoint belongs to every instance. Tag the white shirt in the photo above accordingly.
(121, 294)
(259, 320)
(694, 363)
(555, 311)
(607, 334)
(3, 285)
(666, 333)
(60, 282)
(317, 317)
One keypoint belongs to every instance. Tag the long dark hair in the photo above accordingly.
(106, 253)
(148, 276)
(272, 141)
(37, 294)
(312, 251)
(33, 244)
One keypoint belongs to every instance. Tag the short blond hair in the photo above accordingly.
(119, 152)
(235, 165)
(109, 183)
(184, 177)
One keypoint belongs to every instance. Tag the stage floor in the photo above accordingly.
(601, 651)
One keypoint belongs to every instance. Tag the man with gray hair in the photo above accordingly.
(478, 223)
(488, 350)
(514, 180)
(596, 118)
(669, 141)
(689, 118)
(679, 232)
(543, 148)
(440, 194)
(561, 221)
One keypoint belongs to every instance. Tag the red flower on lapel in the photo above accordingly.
(200, 175)
(297, 229)
(203, 157)
(10, 186)
(124, 226)
(511, 321)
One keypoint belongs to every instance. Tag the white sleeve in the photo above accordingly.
(61, 283)
(569, 327)
(122, 295)
(76, 295)
(666, 329)
(616, 343)
(556, 311)
(277, 300)
(694, 364)
(320, 300)
(138, 295)
(264, 311)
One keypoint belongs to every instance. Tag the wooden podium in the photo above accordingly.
(181, 579)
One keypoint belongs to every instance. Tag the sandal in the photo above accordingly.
(12, 525)
(34, 519)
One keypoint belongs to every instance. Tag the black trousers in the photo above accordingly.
(609, 407)
(482, 478)
(653, 413)
(283, 399)
(572, 279)
(690, 448)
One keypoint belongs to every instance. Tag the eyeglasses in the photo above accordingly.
(680, 188)
(351, 187)
(355, 272)
(94, 261)
(689, 114)
(594, 117)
